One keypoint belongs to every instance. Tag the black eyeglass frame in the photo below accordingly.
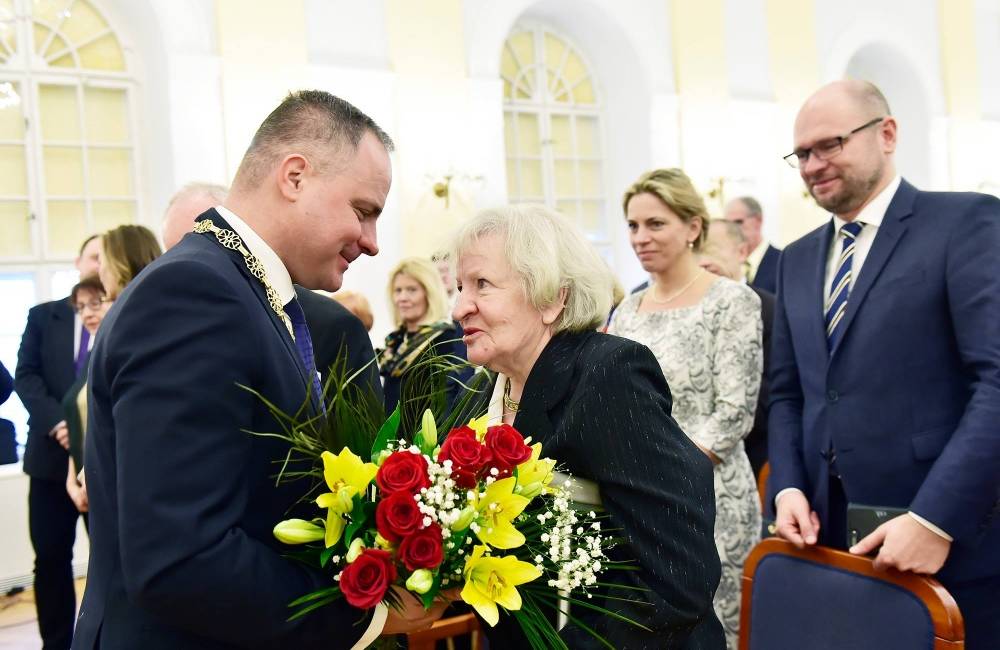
(800, 157)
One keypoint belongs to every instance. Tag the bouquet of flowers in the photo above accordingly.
(480, 511)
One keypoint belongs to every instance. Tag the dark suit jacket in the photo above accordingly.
(599, 405)
(45, 371)
(909, 398)
(8, 444)
(6, 384)
(182, 497)
(766, 277)
(450, 344)
(336, 331)
(756, 440)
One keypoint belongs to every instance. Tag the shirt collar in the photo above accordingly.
(873, 213)
(276, 272)
(758, 253)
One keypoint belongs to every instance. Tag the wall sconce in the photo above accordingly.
(8, 96)
(443, 186)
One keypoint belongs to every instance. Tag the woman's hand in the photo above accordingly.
(412, 617)
(76, 489)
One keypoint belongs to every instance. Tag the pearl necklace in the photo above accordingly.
(663, 301)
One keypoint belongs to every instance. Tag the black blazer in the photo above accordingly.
(8, 444)
(599, 405)
(449, 343)
(756, 440)
(182, 497)
(335, 330)
(766, 277)
(6, 384)
(45, 371)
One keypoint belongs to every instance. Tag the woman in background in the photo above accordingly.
(125, 251)
(706, 334)
(420, 311)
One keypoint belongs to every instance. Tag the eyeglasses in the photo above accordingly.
(92, 305)
(825, 149)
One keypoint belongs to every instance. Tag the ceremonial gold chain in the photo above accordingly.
(508, 403)
(232, 241)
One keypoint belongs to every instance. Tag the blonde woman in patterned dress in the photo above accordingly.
(706, 333)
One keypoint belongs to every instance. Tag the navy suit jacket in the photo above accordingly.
(182, 497)
(909, 398)
(766, 277)
(45, 371)
(756, 440)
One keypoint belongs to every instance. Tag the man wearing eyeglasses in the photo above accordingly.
(885, 368)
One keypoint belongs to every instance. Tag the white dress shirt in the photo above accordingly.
(279, 278)
(755, 257)
(871, 216)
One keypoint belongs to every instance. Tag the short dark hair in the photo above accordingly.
(752, 205)
(91, 282)
(307, 120)
(86, 241)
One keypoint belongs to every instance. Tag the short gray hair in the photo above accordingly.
(733, 230)
(548, 254)
(752, 205)
(217, 193)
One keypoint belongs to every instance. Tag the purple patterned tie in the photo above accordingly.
(81, 355)
(303, 341)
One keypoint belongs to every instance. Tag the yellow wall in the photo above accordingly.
(263, 52)
(427, 53)
(960, 77)
(794, 63)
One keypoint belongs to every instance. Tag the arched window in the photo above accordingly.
(68, 163)
(67, 153)
(552, 125)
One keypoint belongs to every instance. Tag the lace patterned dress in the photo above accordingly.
(711, 355)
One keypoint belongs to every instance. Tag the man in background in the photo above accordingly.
(724, 253)
(761, 267)
(53, 351)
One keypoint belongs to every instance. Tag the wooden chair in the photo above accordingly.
(823, 599)
(446, 628)
(765, 473)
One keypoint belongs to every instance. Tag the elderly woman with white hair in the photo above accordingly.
(532, 293)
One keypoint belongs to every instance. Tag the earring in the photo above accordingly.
(691, 245)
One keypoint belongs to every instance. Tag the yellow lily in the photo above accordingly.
(346, 475)
(492, 581)
(497, 511)
(534, 474)
(298, 531)
(479, 425)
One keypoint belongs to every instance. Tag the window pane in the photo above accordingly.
(63, 170)
(562, 135)
(61, 282)
(554, 51)
(102, 54)
(110, 172)
(584, 93)
(11, 117)
(592, 219)
(528, 141)
(57, 47)
(59, 112)
(66, 227)
(111, 214)
(64, 62)
(586, 137)
(13, 171)
(567, 208)
(557, 87)
(574, 70)
(512, 189)
(15, 229)
(83, 23)
(8, 35)
(531, 180)
(49, 11)
(523, 46)
(508, 132)
(565, 178)
(106, 115)
(591, 183)
(508, 66)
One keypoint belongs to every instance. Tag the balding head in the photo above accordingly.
(185, 206)
(845, 139)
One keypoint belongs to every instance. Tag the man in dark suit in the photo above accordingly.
(723, 254)
(335, 330)
(886, 355)
(53, 351)
(182, 498)
(761, 267)
(8, 442)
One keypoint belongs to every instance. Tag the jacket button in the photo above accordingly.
(832, 395)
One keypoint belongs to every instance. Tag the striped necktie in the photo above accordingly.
(836, 302)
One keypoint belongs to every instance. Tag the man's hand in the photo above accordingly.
(907, 545)
(61, 433)
(412, 617)
(795, 521)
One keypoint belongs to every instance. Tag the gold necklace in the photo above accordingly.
(232, 241)
(508, 403)
(663, 301)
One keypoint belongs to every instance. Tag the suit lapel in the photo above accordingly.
(817, 290)
(258, 290)
(65, 338)
(888, 235)
(546, 387)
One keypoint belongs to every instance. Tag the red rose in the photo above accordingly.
(423, 549)
(465, 479)
(397, 516)
(507, 445)
(403, 472)
(365, 581)
(467, 455)
(503, 469)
